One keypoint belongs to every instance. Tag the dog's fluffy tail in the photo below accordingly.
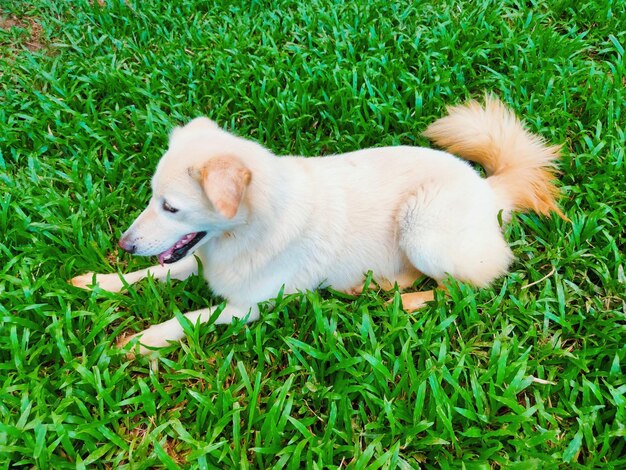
(520, 165)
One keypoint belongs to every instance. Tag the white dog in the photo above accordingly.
(259, 222)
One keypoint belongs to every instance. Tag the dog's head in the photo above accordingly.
(197, 192)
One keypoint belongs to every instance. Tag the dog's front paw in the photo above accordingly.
(126, 338)
(108, 282)
(149, 339)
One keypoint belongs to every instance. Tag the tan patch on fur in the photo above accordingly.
(403, 280)
(416, 300)
(224, 180)
(520, 165)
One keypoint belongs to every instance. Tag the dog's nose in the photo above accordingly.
(127, 245)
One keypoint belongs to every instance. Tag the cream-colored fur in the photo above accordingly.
(301, 223)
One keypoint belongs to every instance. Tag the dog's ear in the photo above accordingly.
(197, 123)
(201, 123)
(224, 180)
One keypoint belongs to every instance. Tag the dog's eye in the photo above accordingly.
(169, 208)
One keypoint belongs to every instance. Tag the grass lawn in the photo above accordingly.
(526, 374)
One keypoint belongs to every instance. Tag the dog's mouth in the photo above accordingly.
(180, 248)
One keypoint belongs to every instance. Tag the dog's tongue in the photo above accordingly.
(182, 242)
(166, 254)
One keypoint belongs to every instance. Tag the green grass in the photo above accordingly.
(526, 374)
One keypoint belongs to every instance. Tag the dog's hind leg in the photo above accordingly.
(402, 280)
(114, 282)
(415, 300)
(445, 231)
(161, 335)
